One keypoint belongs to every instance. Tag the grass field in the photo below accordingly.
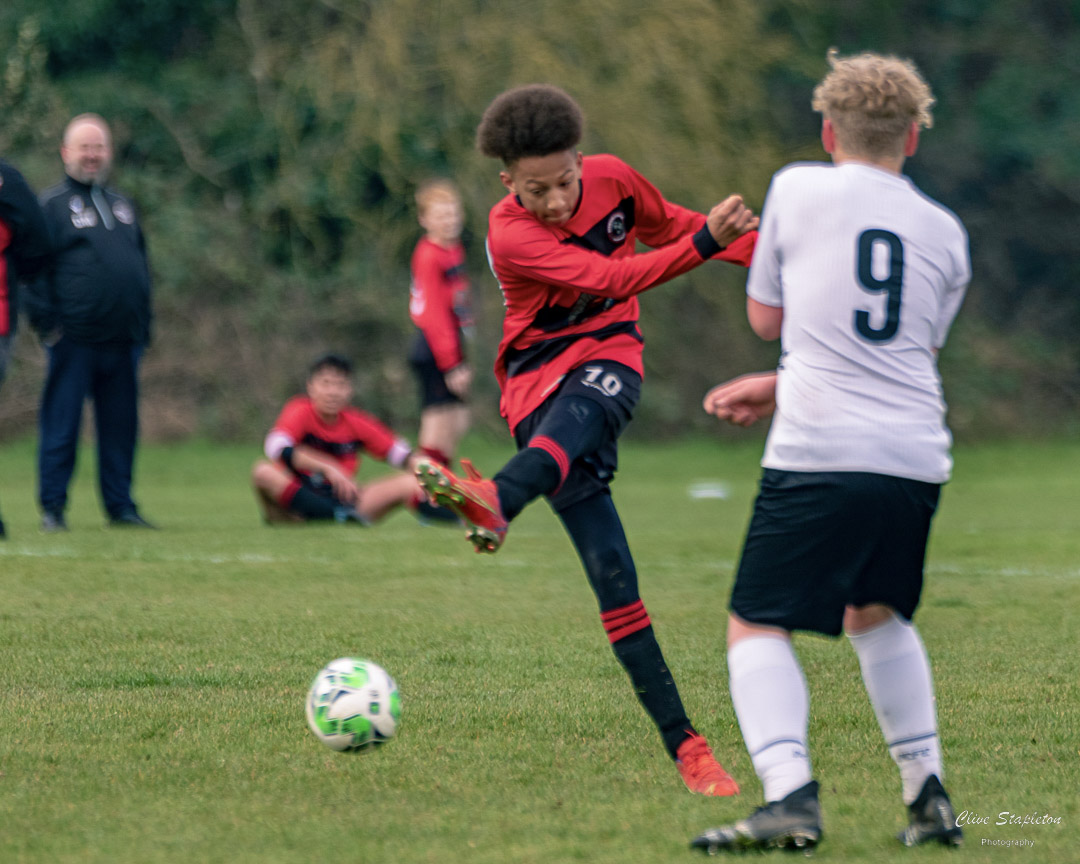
(152, 684)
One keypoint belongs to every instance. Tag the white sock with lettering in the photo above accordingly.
(771, 701)
(896, 672)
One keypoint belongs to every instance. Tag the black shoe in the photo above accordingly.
(932, 817)
(3, 530)
(130, 519)
(793, 822)
(52, 522)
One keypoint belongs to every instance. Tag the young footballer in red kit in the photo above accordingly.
(562, 245)
(440, 307)
(313, 453)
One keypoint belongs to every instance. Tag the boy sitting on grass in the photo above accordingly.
(313, 453)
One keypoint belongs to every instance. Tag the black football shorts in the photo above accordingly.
(433, 389)
(318, 484)
(820, 541)
(616, 389)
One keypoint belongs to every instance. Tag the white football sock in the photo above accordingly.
(896, 672)
(771, 701)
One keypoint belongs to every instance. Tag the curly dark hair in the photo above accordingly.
(534, 120)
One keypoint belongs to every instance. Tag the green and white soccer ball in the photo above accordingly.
(353, 704)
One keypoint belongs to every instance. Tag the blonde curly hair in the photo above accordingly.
(872, 100)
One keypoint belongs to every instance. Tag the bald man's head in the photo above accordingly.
(87, 149)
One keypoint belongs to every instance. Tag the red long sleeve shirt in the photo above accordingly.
(353, 433)
(570, 291)
(439, 300)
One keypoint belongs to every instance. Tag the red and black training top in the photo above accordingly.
(439, 300)
(353, 432)
(24, 241)
(570, 291)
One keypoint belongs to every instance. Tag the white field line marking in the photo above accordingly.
(931, 569)
(138, 555)
(8, 551)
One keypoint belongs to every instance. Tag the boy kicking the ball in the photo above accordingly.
(860, 275)
(562, 245)
(313, 453)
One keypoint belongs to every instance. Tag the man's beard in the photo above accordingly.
(95, 179)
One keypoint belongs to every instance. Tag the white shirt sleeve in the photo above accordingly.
(399, 452)
(275, 442)
(954, 293)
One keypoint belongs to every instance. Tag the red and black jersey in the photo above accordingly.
(570, 291)
(439, 300)
(24, 241)
(353, 432)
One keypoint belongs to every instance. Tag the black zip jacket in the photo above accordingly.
(24, 241)
(98, 287)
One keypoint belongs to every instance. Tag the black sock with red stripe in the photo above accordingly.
(573, 427)
(597, 532)
(640, 655)
(531, 472)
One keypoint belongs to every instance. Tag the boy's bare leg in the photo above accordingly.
(443, 426)
(385, 494)
(270, 481)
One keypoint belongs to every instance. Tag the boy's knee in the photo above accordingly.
(859, 618)
(263, 474)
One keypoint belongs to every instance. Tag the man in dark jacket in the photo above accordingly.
(24, 250)
(92, 312)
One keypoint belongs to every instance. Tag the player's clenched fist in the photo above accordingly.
(743, 400)
(730, 219)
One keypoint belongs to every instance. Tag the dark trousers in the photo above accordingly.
(108, 375)
(7, 346)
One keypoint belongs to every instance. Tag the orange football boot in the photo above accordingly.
(700, 770)
(474, 500)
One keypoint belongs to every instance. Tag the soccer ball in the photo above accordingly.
(353, 704)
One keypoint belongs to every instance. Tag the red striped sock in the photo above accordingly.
(556, 452)
(440, 456)
(620, 623)
(286, 497)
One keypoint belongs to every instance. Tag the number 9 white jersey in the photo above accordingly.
(870, 273)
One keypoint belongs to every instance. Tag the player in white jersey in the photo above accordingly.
(860, 275)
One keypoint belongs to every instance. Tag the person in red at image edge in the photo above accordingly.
(440, 307)
(24, 252)
(562, 245)
(314, 452)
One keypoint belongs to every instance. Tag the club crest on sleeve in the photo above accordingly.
(123, 212)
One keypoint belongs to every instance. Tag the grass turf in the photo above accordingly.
(152, 683)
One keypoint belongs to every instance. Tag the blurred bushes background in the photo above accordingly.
(273, 148)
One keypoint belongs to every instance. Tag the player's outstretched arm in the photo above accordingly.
(744, 400)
